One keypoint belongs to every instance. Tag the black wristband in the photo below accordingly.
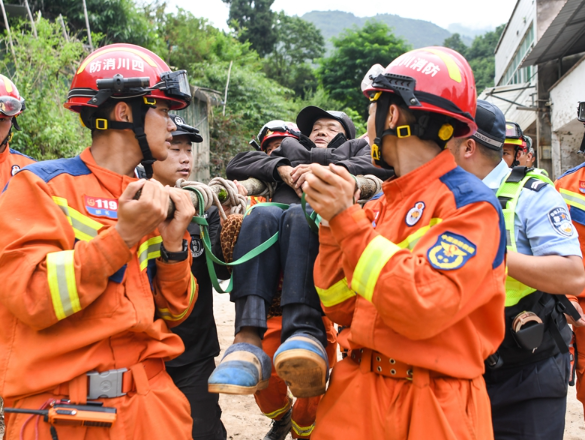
(167, 256)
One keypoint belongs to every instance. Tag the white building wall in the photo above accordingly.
(524, 15)
(567, 131)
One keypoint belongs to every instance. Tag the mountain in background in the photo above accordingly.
(458, 28)
(418, 33)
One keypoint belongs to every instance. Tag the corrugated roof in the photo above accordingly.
(565, 35)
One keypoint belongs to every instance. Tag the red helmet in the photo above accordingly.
(125, 71)
(11, 103)
(277, 129)
(432, 79)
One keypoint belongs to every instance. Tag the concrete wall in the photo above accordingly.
(567, 132)
(523, 16)
(196, 115)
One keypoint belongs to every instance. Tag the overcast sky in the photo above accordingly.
(470, 13)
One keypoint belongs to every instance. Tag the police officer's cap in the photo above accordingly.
(491, 125)
(185, 130)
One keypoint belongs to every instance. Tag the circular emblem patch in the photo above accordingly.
(15, 169)
(196, 247)
(561, 221)
(414, 215)
(179, 120)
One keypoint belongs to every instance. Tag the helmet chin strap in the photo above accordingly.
(425, 128)
(139, 110)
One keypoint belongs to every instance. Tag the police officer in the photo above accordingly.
(527, 378)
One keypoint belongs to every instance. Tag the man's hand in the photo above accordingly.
(241, 188)
(137, 218)
(285, 173)
(298, 174)
(329, 190)
(581, 322)
(173, 230)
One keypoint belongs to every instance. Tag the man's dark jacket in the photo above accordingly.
(353, 155)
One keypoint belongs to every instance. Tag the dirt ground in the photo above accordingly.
(244, 421)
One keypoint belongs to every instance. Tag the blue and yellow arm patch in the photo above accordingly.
(451, 251)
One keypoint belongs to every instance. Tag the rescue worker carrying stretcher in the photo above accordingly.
(11, 105)
(417, 276)
(571, 185)
(93, 275)
(527, 377)
(301, 361)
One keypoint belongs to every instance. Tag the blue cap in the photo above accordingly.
(491, 125)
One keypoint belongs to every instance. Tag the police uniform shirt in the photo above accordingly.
(542, 223)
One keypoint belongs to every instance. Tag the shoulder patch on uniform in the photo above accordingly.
(13, 151)
(414, 214)
(451, 251)
(535, 184)
(561, 221)
(14, 169)
(50, 169)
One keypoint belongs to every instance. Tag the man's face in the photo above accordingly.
(324, 130)
(177, 165)
(523, 158)
(5, 124)
(530, 160)
(158, 128)
(273, 144)
(509, 154)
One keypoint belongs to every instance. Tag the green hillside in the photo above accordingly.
(418, 33)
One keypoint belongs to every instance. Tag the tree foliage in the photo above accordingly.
(42, 73)
(299, 43)
(355, 52)
(480, 55)
(255, 21)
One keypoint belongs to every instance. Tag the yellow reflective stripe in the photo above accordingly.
(573, 199)
(452, 68)
(303, 431)
(149, 250)
(275, 414)
(371, 262)
(84, 227)
(335, 294)
(515, 291)
(166, 313)
(62, 285)
(411, 241)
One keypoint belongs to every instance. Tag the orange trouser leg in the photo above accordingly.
(160, 412)
(376, 407)
(273, 401)
(580, 337)
(305, 409)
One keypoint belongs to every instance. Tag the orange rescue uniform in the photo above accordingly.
(10, 162)
(76, 299)
(571, 185)
(275, 401)
(421, 288)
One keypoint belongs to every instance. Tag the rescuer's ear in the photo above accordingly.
(122, 112)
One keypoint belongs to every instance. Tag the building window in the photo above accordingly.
(514, 75)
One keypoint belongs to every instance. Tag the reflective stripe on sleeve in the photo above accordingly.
(335, 294)
(302, 431)
(62, 284)
(166, 313)
(411, 241)
(84, 227)
(573, 199)
(149, 250)
(275, 414)
(371, 262)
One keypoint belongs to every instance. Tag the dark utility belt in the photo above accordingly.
(536, 329)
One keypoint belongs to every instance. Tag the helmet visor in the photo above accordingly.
(368, 81)
(176, 85)
(513, 131)
(272, 126)
(10, 106)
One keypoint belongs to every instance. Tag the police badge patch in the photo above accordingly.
(414, 214)
(561, 221)
(15, 169)
(196, 247)
(451, 251)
